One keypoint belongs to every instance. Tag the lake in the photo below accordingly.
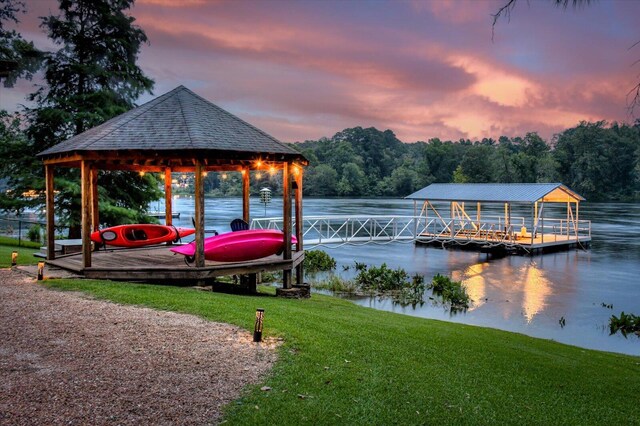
(524, 294)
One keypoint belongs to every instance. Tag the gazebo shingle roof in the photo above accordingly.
(179, 120)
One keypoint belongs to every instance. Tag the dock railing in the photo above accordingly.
(339, 230)
(492, 230)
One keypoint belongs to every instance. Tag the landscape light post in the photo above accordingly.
(257, 328)
(40, 271)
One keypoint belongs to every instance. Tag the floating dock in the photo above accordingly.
(482, 216)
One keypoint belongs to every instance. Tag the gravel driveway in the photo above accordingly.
(67, 359)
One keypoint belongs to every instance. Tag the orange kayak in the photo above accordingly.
(139, 235)
(239, 246)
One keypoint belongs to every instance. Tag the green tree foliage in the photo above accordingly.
(584, 158)
(600, 162)
(90, 79)
(18, 58)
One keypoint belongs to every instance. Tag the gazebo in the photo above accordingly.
(178, 132)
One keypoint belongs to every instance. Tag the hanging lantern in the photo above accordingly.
(257, 329)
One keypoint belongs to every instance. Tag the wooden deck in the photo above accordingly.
(159, 264)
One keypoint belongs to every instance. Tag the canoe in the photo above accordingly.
(139, 235)
(239, 246)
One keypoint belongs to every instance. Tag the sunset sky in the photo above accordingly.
(306, 69)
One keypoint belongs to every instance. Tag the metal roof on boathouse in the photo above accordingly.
(497, 192)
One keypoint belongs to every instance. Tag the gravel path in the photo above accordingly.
(67, 359)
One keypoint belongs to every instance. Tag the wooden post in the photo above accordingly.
(51, 226)
(168, 208)
(286, 226)
(85, 184)
(199, 215)
(542, 220)
(245, 195)
(509, 227)
(577, 221)
(299, 222)
(95, 211)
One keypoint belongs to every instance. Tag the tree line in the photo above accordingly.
(601, 161)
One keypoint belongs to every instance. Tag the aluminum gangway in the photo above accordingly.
(380, 229)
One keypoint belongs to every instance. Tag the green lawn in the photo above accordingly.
(25, 254)
(345, 364)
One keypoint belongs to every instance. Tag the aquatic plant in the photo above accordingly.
(381, 278)
(450, 291)
(413, 294)
(336, 284)
(626, 323)
(317, 260)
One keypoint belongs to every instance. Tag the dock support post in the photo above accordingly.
(51, 226)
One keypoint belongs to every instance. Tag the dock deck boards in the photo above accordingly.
(158, 263)
(525, 242)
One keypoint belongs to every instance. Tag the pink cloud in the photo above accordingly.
(424, 69)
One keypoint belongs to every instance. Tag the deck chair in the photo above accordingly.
(239, 225)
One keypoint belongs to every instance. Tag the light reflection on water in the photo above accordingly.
(523, 294)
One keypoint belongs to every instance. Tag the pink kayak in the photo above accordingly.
(239, 246)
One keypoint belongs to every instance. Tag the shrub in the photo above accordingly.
(381, 278)
(317, 260)
(450, 291)
(34, 232)
(413, 294)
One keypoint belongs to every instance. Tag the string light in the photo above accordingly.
(141, 173)
(224, 175)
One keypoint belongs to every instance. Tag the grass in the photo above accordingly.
(25, 255)
(345, 364)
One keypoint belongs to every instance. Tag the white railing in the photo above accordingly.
(340, 230)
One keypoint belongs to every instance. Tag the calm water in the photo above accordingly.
(524, 294)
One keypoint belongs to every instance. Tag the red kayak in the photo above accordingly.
(239, 246)
(139, 235)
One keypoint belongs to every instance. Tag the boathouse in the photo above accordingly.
(527, 217)
(178, 132)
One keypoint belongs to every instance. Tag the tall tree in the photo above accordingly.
(18, 58)
(90, 79)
